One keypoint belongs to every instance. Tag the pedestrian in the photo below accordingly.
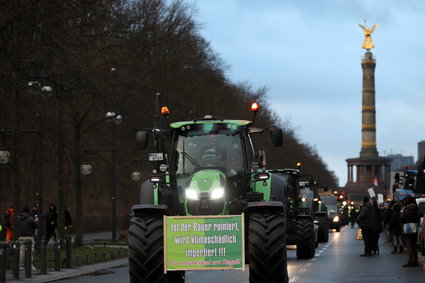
(386, 216)
(410, 219)
(51, 222)
(26, 234)
(394, 228)
(354, 213)
(9, 217)
(35, 214)
(366, 221)
(377, 228)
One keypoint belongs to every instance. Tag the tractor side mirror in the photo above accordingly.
(142, 139)
(277, 136)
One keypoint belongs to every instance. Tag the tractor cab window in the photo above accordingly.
(305, 192)
(209, 145)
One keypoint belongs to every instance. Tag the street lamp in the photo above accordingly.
(86, 168)
(4, 153)
(116, 119)
(40, 91)
(4, 156)
(136, 174)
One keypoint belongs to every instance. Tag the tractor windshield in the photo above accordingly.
(209, 145)
(307, 193)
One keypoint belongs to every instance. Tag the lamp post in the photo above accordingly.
(86, 168)
(40, 91)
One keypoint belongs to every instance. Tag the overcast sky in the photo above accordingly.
(307, 53)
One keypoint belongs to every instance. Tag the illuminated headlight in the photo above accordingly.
(217, 193)
(336, 219)
(303, 199)
(191, 194)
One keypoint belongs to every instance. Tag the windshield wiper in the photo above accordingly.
(190, 158)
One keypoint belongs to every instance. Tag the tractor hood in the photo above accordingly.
(207, 180)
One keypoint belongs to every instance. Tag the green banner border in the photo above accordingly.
(203, 217)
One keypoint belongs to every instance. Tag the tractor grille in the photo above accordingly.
(205, 206)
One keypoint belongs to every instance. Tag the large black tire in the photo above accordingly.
(267, 247)
(146, 253)
(323, 234)
(305, 238)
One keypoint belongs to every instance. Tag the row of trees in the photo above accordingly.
(66, 63)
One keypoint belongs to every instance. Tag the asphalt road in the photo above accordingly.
(335, 261)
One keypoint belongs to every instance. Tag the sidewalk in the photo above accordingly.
(67, 273)
(73, 272)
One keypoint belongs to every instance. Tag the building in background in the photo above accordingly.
(398, 161)
(421, 151)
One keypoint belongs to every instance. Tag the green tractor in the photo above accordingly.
(209, 168)
(302, 227)
(310, 192)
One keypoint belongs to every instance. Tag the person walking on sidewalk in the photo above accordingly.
(410, 216)
(51, 222)
(394, 227)
(26, 234)
(366, 221)
(377, 228)
(9, 217)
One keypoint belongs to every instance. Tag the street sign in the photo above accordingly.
(371, 192)
(204, 242)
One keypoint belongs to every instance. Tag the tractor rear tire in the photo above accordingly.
(267, 247)
(305, 238)
(146, 252)
(323, 234)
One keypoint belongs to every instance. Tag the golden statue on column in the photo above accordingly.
(367, 44)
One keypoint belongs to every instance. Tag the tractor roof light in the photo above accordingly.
(164, 111)
(255, 107)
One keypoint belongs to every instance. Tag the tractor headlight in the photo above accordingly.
(217, 193)
(191, 194)
(336, 219)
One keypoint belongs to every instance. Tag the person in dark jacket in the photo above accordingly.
(51, 222)
(410, 214)
(394, 227)
(26, 234)
(377, 228)
(366, 221)
(36, 214)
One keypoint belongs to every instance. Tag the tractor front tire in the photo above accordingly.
(267, 247)
(305, 238)
(146, 252)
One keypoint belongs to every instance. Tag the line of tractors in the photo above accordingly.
(208, 166)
